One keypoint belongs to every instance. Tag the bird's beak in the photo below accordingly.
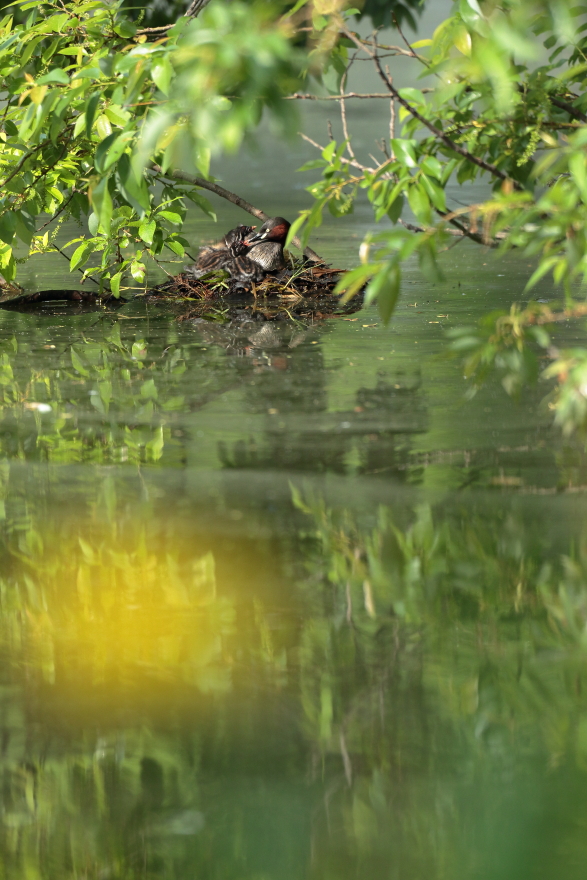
(258, 236)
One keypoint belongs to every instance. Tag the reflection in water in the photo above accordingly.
(371, 437)
(200, 677)
(402, 696)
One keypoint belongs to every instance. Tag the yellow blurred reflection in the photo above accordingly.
(126, 613)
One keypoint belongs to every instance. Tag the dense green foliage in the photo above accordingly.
(504, 104)
(89, 106)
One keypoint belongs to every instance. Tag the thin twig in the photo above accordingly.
(19, 164)
(230, 197)
(352, 162)
(303, 96)
(60, 211)
(156, 30)
(83, 271)
(410, 50)
(345, 128)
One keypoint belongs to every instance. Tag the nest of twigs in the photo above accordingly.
(302, 281)
(305, 292)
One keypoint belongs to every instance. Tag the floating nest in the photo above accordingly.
(304, 280)
(304, 291)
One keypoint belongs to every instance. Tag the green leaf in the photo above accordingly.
(405, 151)
(428, 264)
(77, 363)
(147, 231)
(80, 255)
(328, 152)
(578, 169)
(430, 165)
(310, 166)
(118, 116)
(54, 76)
(138, 271)
(434, 192)
(25, 226)
(102, 202)
(419, 203)
(7, 226)
(385, 288)
(149, 390)
(90, 112)
(115, 284)
(171, 216)
(394, 211)
(134, 191)
(162, 73)
(103, 127)
(412, 96)
(125, 29)
(102, 150)
(545, 266)
(295, 227)
(139, 350)
(175, 246)
(351, 282)
(117, 148)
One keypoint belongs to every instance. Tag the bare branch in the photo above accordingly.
(156, 30)
(457, 148)
(230, 197)
(572, 111)
(193, 9)
(391, 116)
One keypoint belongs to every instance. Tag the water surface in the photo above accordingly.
(277, 601)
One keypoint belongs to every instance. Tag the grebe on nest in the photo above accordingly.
(245, 256)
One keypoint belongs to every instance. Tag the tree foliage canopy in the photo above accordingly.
(90, 103)
(99, 114)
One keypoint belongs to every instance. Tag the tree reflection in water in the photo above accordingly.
(403, 698)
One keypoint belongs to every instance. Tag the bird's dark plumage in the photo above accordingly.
(247, 256)
(266, 245)
(218, 256)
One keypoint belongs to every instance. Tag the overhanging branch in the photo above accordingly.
(457, 148)
(230, 197)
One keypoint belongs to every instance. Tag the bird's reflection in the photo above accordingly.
(284, 376)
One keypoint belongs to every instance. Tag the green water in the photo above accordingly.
(277, 601)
